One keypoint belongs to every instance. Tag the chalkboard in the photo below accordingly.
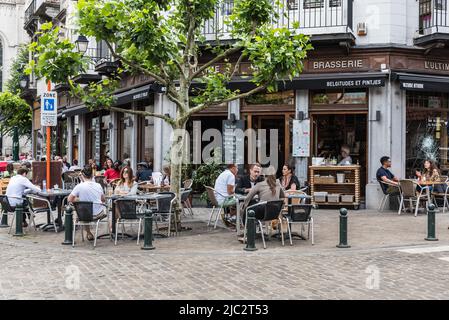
(40, 173)
(233, 141)
(97, 142)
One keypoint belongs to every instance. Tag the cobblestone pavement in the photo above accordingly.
(210, 264)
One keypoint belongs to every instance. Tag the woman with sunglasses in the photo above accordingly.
(126, 185)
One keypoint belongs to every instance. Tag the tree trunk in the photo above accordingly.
(177, 155)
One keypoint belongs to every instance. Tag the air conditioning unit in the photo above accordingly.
(362, 28)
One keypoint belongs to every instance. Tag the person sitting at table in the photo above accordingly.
(74, 166)
(166, 176)
(113, 172)
(288, 180)
(388, 181)
(345, 152)
(16, 190)
(224, 190)
(268, 190)
(430, 174)
(246, 183)
(90, 191)
(143, 172)
(9, 172)
(126, 185)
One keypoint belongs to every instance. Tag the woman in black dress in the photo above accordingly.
(288, 180)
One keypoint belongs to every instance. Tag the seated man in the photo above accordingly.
(385, 175)
(246, 183)
(89, 191)
(16, 189)
(225, 185)
(144, 173)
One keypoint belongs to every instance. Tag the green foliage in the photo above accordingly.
(205, 175)
(18, 70)
(248, 15)
(96, 95)
(14, 111)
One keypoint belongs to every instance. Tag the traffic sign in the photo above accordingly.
(49, 109)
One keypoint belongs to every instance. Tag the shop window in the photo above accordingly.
(339, 97)
(427, 134)
(278, 98)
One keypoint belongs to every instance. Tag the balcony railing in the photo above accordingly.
(39, 8)
(96, 56)
(310, 16)
(29, 12)
(433, 17)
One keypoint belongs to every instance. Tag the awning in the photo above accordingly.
(135, 94)
(420, 82)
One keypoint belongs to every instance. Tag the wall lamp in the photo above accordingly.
(377, 117)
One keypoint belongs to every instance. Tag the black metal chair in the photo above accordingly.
(127, 210)
(272, 211)
(165, 210)
(46, 208)
(300, 214)
(185, 201)
(85, 213)
(6, 207)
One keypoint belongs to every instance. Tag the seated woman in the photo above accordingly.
(113, 172)
(126, 186)
(430, 174)
(288, 180)
(10, 172)
(268, 190)
(166, 176)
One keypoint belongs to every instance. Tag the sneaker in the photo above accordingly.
(25, 225)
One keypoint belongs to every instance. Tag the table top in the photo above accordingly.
(149, 196)
(53, 193)
(152, 187)
(429, 183)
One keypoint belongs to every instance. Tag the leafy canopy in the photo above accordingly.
(14, 111)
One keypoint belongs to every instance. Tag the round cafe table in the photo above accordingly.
(154, 188)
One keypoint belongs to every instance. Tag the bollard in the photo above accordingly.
(68, 225)
(251, 231)
(431, 223)
(19, 221)
(4, 222)
(148, 229)
(343, 229)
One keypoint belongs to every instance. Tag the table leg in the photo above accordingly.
(238, 216)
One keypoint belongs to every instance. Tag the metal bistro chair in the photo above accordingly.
(85, 213)
(185, 201)
(46, 208)
(386, 196)
(272, 211)
(128, 215)
(164, 210)
(443, 195)
(215, 206)
(409, 193)
(300, 214)
(100, 180)
(6, 207)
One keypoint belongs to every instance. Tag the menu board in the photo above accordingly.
(301, 138)
(233, 141)
(97, 141)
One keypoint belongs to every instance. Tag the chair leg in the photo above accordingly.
(401, 204)
(54, 222)
(138, 231)
(12, 223)
(117, 224)
(96, 233)
(445, 205)
(263, 234)
(211, 215)
(73, 235)
(382, 203)
(313, 234)
(417, 207)
(82, 232)
(218, 216)
(289, 227)
(282, 232)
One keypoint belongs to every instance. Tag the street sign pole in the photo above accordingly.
(48, 145)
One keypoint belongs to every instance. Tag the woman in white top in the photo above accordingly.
(126, 185)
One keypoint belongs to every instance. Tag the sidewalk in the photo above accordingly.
(367, 230)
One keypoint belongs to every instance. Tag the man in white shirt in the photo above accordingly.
(225, 185)
(89, 191)
(17, 187)
(74, 166)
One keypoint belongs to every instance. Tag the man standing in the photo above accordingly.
(246, 183)
(385, 175)
(17, 187)
(89, 191)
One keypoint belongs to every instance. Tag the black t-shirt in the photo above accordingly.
(293, 180)
(382, 172)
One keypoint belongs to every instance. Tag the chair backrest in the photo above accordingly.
(66, 176)
(101, 182)
(35, 202)
(444, 178)
(126, 208)
(84, 210)
(6, 207)
(294, 193)
(408, 188)
(185, 195)
(3, 185)
(300, 212)
(211, 195)
(273, 210)
(188, 184)
(164, 204)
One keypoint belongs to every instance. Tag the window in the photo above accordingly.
(326, 97)
(227, 7)
(440, 4)
(314, 4)
(279, 98)
(292, 4)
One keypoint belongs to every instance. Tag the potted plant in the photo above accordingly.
(205, 175)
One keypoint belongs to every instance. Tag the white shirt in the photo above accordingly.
(16, 189)
(221, 185)
(73, 168)
(90, 191)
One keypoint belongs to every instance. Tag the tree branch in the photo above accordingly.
(215, 60)
(237, 65)
(239, 96)
(169, 120)
(131, 64)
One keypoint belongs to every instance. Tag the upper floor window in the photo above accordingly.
(313, 4)
(226, 7)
